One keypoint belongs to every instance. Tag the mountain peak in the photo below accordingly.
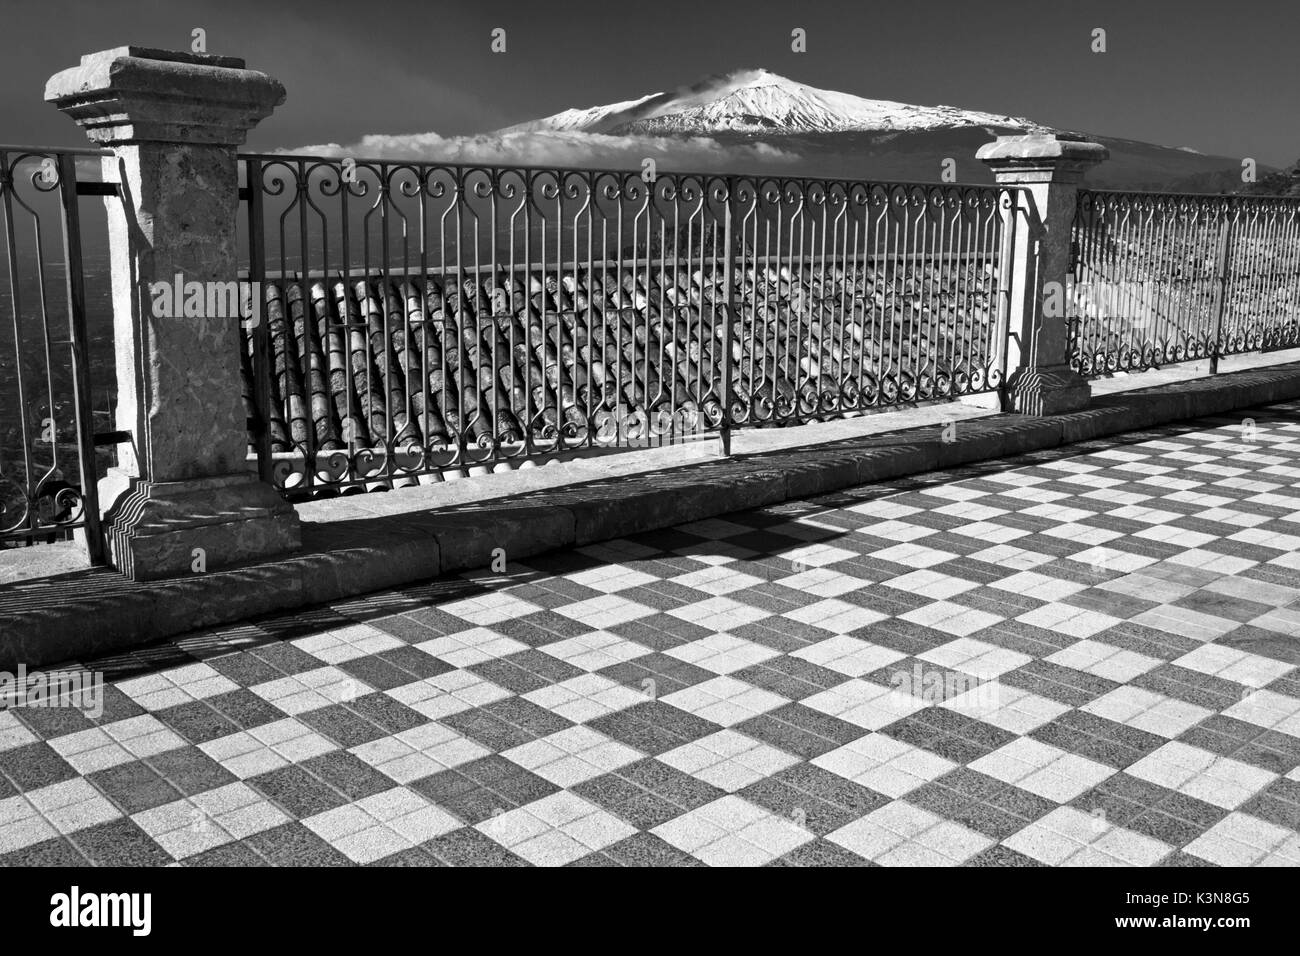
(754, 101)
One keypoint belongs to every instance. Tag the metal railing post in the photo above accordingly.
(76, 293)
(1221, 288)
(731, 246)
(261, 333)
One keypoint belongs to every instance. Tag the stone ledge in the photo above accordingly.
(82, 614)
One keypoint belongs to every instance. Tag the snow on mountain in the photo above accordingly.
(754, 121)
(758, 101)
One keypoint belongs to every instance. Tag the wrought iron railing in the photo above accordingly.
(1160, 279)
(420, 318)
(48, 460)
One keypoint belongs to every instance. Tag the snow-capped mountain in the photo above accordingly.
(757, 101)
(754, 120)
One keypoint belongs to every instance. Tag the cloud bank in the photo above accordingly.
(563, 148)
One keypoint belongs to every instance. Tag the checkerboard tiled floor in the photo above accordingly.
(1085, 657)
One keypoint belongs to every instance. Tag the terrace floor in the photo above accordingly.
(1115, 626)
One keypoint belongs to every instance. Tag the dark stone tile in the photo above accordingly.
(1265, 643)
(800, 730)
(1283, 813)
(1163, 827)
(653, 727)
(669, 674)
(297, 791)
(190, 770)
(116, 706)
(391, 715)
(1183, 859)
(229, 855)
(57, 851)
(532, 719)
(515, 784)
(660, 632)
(1182, 683)
(487, 729)
(348, 774)
(661, 595)
(512, 677)
(134, 786)
(1112, 603)
(481, 788)
(820, 853)
(35, 765)
(780, 634)
(1027, 639)
(1021, 803)
(246, 709)
(1147, 640)
(645, 810)
(938, 799)
(992, 822)
(197, 722)
(540, 628)
(1116, 809)
(50, 722)
(286, 658)
(644, 849)
(292, 844)
(999, 855)
(469, 847)
(414, 856)
(342, 725)
(245, 669)
(377, 672)
(790, 677)
(473, 803)
(970, 783)
(832, 788)
(119, 843)
(1223, 605)
(1062, 684)
(404, 628)
(607, 790)
(951, 735)
(819, 816)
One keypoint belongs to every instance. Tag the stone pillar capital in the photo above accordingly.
(138, 95)
(1041, 158)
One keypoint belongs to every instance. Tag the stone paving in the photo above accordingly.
(1087, 656)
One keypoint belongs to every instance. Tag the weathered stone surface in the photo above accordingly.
(469, 540)
(173, 121)
(1048, 390)
(1060, 157)
(1047, 169)
(135, 94)
(161, 529)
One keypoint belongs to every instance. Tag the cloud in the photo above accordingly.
(563, 148)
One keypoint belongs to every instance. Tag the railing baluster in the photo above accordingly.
(79, 346)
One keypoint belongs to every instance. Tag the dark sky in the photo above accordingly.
(1222, 77)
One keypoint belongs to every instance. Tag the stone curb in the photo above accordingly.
(81, 615)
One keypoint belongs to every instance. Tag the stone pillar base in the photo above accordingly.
(153, 528)
(1053, 390)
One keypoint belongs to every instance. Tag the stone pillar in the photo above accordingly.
(1048, 169)
(173, 121)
